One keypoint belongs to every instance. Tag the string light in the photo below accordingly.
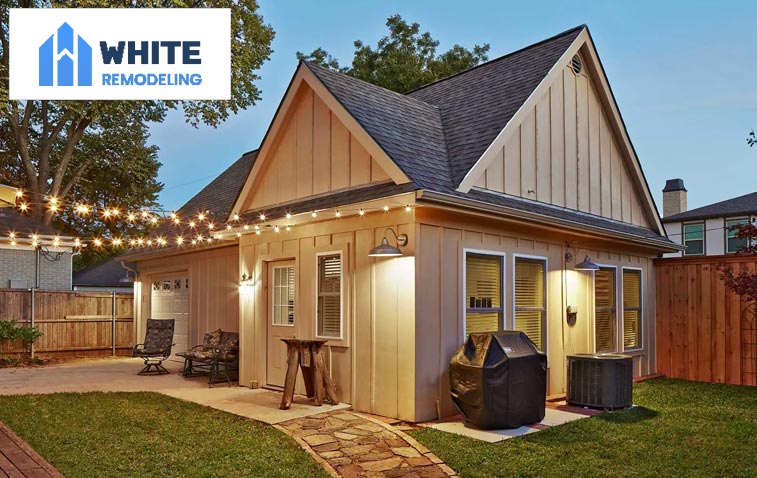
(106, 214)
(228, 227)
(53, 207)
(257, 232)
(289, 228)
(276, 229)
(211, 226)
(53, 200)
(361, 212)
(56, 241)
(192, 224)
(289, 215)
(97, 242)
(12, 235)
(262, 217)
(154, 220)
(385, 208)
(132, 217)
(239, 234)
(246, 227)
(77, 242)
(82, 209)
(201, 217)
(132, 242)
(313, 214)
(118, 242)
(19, 193)
(236, 216)
(23, 206)
(338, 214)
(179, 240)
(408, 208)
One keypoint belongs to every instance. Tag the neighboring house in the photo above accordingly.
(24, 265)
(706, 230)
(109, 275)
(498, 180)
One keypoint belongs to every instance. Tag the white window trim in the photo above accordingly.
(641, 310)
(704, 236)
(464, 300)
(546, 295)
(618, 310)
(341, 294)
(271, 287)
(725, 230)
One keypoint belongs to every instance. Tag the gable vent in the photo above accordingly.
(576, 64)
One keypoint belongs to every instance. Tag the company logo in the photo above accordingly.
(120, 54)
(65, 59)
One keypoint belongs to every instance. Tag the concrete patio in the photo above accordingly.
(120, 375)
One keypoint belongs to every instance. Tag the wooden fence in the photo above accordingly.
(704, 331)
(73, 324)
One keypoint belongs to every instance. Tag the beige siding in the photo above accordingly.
(314, 154)
(213, 288)
(372, 366)
(441, 239)
(565, 153)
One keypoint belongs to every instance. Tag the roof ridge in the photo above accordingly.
(403, 96)
(499, 58)
(696, 210)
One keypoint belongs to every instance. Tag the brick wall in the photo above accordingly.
(20, 264)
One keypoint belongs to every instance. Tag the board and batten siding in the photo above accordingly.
(314, 154)
(565, 153)
(213, 289)
(441, 238)
(372, 366)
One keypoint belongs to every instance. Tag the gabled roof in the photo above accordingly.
(476, 104)
(739, 206)
(12, 221)
(107, 273)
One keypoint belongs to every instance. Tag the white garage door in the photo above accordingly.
(170, 300)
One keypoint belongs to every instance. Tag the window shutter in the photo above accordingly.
(631, 308)
(330, 296)
(604, 315)
(530, 299)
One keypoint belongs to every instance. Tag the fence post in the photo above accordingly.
(31, 322)
(113, 321)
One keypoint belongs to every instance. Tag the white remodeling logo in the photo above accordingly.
(121, 54)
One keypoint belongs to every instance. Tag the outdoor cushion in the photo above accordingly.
(212, 338)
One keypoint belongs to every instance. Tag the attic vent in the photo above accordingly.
(576, 64)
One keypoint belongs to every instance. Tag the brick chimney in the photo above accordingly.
(673, 197)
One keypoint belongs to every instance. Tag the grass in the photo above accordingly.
(679, 429)
(108, 435)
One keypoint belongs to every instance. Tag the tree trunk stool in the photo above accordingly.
(308, 355)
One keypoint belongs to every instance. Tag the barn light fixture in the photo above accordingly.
(246, 281)
(387, 250)
(585, 265)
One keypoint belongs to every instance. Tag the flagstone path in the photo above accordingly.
(353, 445)
(19, 460)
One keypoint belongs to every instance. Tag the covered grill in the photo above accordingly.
(499, 380)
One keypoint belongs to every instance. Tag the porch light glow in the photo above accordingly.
(246, 281)
(387, 250)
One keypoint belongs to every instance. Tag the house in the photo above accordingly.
(393, 225)
(110, 275)
(24, 263)
(706, 230)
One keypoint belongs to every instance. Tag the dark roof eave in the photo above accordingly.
(664, 245)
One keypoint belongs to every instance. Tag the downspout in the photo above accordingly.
(36, 268)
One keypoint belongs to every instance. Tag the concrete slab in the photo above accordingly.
(120, 375)
(552, 417)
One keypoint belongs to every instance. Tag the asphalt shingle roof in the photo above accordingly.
(104, 274)
(12, 221)
(738, 206)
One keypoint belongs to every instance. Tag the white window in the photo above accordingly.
(632, 312)
(283, 295)
(734, 244)
(483, 292)
(329, 321)
(693, 239)
(531, 299)
(605, 310)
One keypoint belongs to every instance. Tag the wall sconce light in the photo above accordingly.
(585, 265)
(387, 250)
(246, 281)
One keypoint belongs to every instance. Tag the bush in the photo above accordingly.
(9, 332)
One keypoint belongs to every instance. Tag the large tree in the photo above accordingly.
(98, 152)
(404, 59)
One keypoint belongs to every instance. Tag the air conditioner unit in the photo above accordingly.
(602, 381)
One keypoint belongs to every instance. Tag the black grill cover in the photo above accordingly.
(499, 380)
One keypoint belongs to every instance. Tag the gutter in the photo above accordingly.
(468, 204)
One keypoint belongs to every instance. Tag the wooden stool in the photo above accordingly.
(309, 355)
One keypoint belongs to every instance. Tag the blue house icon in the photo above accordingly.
(60, 55)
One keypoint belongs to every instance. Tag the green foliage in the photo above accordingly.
(98, 152)
(115, 435)
(404, 59)
(8, 332)
(677, 429)
(28, 335)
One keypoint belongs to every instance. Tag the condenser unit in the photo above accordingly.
(602, 381)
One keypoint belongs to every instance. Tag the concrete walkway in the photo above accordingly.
(353, 445)
(19, 460)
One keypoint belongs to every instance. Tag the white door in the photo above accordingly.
(170, 300)
(281, 319)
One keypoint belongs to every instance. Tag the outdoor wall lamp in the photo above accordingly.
(585, 265)
(387, 250)
(246, 281)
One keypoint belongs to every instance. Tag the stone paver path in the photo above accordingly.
(352, 445)
(18, 460)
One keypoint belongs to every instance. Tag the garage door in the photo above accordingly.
(170, 300)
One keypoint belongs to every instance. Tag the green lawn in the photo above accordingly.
(678, 429)
(104, 435)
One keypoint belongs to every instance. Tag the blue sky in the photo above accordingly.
(683, 73)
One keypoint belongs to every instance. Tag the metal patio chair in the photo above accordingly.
(157, 346)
